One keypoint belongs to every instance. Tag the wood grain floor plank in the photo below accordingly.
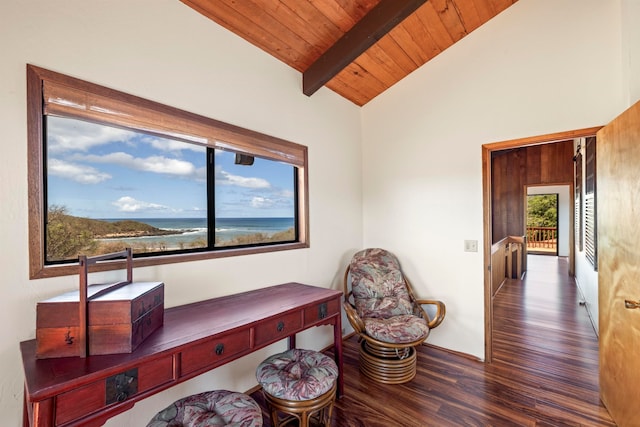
(545, 369)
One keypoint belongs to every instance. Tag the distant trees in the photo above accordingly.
(542, 210)
(69, 236)
(65, 240)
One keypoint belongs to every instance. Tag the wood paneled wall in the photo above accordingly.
(498, 267)
(512, 170)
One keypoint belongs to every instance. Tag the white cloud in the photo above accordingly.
(261, 202)
(76, 135)
(225, 178)
(155, 164)
(287, 194)
(75, 172)
(172, 145)
(129, 204)
(201, 174)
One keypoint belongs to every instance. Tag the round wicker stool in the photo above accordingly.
(299, 385)
(210, 409)
(387, 365)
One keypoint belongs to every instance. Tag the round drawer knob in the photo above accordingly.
(219, 349)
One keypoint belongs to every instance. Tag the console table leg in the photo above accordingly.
(337, 347)
(43, 413)
(25, 410)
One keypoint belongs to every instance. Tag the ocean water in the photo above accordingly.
(192, 229)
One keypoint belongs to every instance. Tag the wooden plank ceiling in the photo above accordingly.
(308, 35)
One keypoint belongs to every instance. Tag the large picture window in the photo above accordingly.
(109, 170)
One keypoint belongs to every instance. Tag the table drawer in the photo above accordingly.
(117, 388)
(214, 352)
(278, 328)
(321, 311)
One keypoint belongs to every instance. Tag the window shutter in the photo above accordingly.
(69, 97)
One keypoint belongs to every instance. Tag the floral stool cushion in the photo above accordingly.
(210, 409)
(297, 374)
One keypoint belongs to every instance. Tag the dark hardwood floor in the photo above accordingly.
(545, 369)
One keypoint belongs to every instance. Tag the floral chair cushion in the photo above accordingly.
(297, 374)
(397, 329)
(381, 298)
(210, 409)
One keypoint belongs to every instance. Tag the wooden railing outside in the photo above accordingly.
(542, 239)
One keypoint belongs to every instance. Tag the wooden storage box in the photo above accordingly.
(118, 321)
(99, 319)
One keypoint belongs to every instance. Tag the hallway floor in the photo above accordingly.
(544, 373)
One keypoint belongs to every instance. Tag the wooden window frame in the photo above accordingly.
(51, 93)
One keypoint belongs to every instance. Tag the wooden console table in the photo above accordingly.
(195, 338)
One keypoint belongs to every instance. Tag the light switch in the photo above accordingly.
(471, 246)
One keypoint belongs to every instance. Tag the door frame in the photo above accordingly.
(487, 149)
(562, 232)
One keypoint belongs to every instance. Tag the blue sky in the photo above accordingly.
(97, 171)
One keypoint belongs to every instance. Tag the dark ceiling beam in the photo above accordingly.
(364, 34)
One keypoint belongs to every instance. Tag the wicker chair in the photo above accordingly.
(383, 311)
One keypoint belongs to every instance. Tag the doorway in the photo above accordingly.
(548, 228)
(488, 152)
(542, 224)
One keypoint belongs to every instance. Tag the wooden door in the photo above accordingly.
(618, 213)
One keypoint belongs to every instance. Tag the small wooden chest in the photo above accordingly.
(117, 321)
(99, 319)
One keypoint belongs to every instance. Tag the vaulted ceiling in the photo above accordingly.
(357, 48)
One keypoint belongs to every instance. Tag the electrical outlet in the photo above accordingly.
(471, 246)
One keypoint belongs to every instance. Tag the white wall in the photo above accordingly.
(164, 51)
(586, 275)
(541, 66)
(564, 212)
(631, 50)
(587, 281)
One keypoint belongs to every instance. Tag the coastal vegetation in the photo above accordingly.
(69, 236)
(542, 210)
(252, 239)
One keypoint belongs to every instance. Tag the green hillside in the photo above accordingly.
(68, 236)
